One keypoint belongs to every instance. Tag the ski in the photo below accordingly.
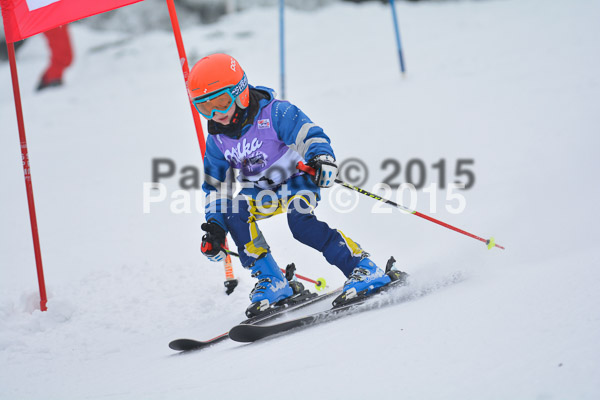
(249, 332)
(191, 344)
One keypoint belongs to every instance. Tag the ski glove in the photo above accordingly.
(326, 170)
(213, 241)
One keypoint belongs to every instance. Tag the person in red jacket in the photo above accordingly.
(61, 56)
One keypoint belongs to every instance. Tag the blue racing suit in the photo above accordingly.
(263, 151)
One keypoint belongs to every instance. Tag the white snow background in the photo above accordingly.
(511, 84)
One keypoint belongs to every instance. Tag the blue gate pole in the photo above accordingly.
(282, 47)
(399, 44)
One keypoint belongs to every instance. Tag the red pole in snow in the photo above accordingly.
(230, 281)
(26, 170)
(186, 72)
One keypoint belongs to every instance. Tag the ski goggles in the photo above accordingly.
(220, 101)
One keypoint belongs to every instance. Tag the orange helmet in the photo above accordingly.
(217, 72)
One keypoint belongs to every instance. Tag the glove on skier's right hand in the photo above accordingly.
(213, 241)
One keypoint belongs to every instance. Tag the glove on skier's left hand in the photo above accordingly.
(213, 241)
(326, 170)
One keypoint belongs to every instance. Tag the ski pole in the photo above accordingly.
(230, 281)
(491, 242)
(319, 283)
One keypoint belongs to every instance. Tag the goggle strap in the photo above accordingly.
(240, 87)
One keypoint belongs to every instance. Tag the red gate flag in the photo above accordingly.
(24, 18)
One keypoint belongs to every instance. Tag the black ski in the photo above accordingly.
(191, 344)
(250, 332)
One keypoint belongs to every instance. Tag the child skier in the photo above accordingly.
(264, 139)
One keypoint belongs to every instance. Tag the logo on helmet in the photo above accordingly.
(233, 64)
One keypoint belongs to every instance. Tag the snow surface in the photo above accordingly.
(511, 84)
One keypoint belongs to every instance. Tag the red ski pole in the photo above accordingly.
(489, 242)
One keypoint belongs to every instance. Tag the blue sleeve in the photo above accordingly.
(296, 130)
(218, 183)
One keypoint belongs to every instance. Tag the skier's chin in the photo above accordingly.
(223, 120)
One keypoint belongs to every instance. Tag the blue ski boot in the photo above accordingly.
(271, 287)
(364, 279)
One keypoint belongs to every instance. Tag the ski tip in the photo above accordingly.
(243, 333)
(182, 344)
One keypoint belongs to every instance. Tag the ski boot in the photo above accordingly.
(367, 279)
(271, 288)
